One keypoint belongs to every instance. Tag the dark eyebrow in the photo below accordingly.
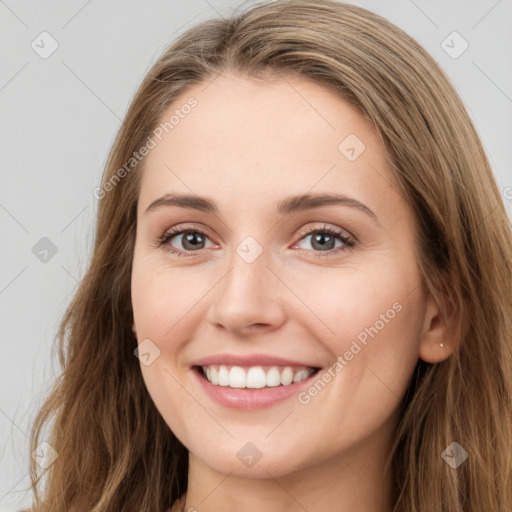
(284, 206)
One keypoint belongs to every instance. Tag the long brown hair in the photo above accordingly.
(115, 452)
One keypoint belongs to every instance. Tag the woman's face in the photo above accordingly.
(256, 293)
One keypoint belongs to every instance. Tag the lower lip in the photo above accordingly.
(250, 398)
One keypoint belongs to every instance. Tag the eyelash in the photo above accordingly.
(174, 231)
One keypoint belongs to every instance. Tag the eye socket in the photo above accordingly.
(318, 241)
(190, 233)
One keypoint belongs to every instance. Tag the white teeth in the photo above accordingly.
(287, 376)
(273, 377)
(237, 378)
(301, 375)
(254, 377)
(223, 376)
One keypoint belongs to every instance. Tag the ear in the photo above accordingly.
(441, 327)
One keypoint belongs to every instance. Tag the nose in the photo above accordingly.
(249, 298)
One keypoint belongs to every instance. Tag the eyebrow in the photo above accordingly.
(285, 206)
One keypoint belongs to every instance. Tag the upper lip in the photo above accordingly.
(250, 360)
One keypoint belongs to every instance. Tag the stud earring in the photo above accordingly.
(441, 345)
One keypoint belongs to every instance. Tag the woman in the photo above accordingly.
(301, 240)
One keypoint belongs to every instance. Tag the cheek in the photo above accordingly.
(160, 297)
(374, 358)
(371, 322)
(378, 300)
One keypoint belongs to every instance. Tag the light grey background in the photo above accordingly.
(59, 116)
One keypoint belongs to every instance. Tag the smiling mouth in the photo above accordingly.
(254, 377)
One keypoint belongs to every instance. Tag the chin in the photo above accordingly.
(245, 460)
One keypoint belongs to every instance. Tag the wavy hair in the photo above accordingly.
(115, 452)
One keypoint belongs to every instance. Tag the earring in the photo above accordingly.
(441, 345)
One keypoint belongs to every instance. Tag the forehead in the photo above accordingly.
(247, 141)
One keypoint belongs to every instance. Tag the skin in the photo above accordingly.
(246, 145)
